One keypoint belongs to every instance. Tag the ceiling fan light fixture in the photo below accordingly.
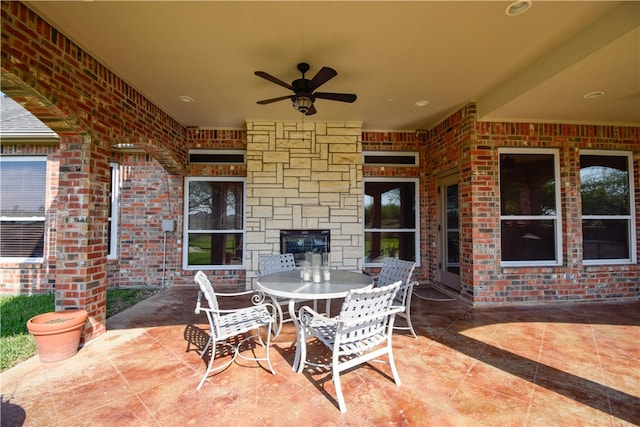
(302, 103)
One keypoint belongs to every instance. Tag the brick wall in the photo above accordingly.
(572, 281)
(90, 108)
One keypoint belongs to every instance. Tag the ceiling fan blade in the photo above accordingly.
(272, 79)
(311, 111)
(269, 101)
(342, 97)
(324, 75)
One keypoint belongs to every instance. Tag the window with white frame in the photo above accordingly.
(23, 184)
(391, 212)
(530, 217)
(112, 236)
(608, 207)
(214, 223)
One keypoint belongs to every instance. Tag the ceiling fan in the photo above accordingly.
(303, 89)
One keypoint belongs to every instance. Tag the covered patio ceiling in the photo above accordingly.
(537, 66)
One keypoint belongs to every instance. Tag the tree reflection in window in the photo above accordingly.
(606, 207)
(215, 222)
(390, 220)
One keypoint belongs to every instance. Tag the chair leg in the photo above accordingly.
(268, 347)
(210, 364)
(408, 318)
(336, 382)
(392, 363)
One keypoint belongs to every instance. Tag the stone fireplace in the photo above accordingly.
(304, 177)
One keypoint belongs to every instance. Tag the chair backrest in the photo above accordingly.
(394, 269)
(206, 288)
(372, 306)
(274, 263)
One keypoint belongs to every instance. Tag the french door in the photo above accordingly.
(448, 232)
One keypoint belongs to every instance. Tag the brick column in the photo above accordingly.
(81, 252)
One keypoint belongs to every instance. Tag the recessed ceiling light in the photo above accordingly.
(185, 98)
(518, 7)
(596, 94)
(421, 103)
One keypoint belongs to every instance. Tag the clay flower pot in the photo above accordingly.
(57, 333)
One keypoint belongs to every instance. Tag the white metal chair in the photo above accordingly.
(269, 264)
(394, 269)
(360, 333)
(228, 327)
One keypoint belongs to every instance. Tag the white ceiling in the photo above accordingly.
(533, 67)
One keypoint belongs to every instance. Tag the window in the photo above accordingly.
(217, 156)
(390, 158)
(530, 207)
(22, 208)
(608, 230)
(390, 219)
(214, 223)
(112, 237)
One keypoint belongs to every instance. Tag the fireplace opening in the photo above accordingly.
(298, 242)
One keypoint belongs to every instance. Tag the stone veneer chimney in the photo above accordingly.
(304, 176)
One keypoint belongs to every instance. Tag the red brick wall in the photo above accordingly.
(90, 108)
(448, 150)
(572, 281)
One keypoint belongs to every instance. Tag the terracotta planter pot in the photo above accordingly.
(57, 334)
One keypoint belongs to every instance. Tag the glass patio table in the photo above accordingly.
(289, 285)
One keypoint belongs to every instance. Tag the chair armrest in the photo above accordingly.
(392, 311)
(409, 285)
(306, 314)
(270, 308)
(237, 294)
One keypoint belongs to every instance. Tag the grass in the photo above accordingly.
(17, 345)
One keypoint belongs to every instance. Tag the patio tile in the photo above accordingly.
(524, 366)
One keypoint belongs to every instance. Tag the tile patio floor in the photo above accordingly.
(569, 365)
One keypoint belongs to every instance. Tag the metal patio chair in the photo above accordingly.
(360, 333)
(269, 264)
(229, 327)
(394, 269)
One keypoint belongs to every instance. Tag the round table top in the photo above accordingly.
(288, 284)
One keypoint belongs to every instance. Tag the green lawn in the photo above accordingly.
(17, 345)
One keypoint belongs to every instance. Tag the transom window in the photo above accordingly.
(608, 229)
(391, 218)
(530, 207)
(214, 223)
(22, 208)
